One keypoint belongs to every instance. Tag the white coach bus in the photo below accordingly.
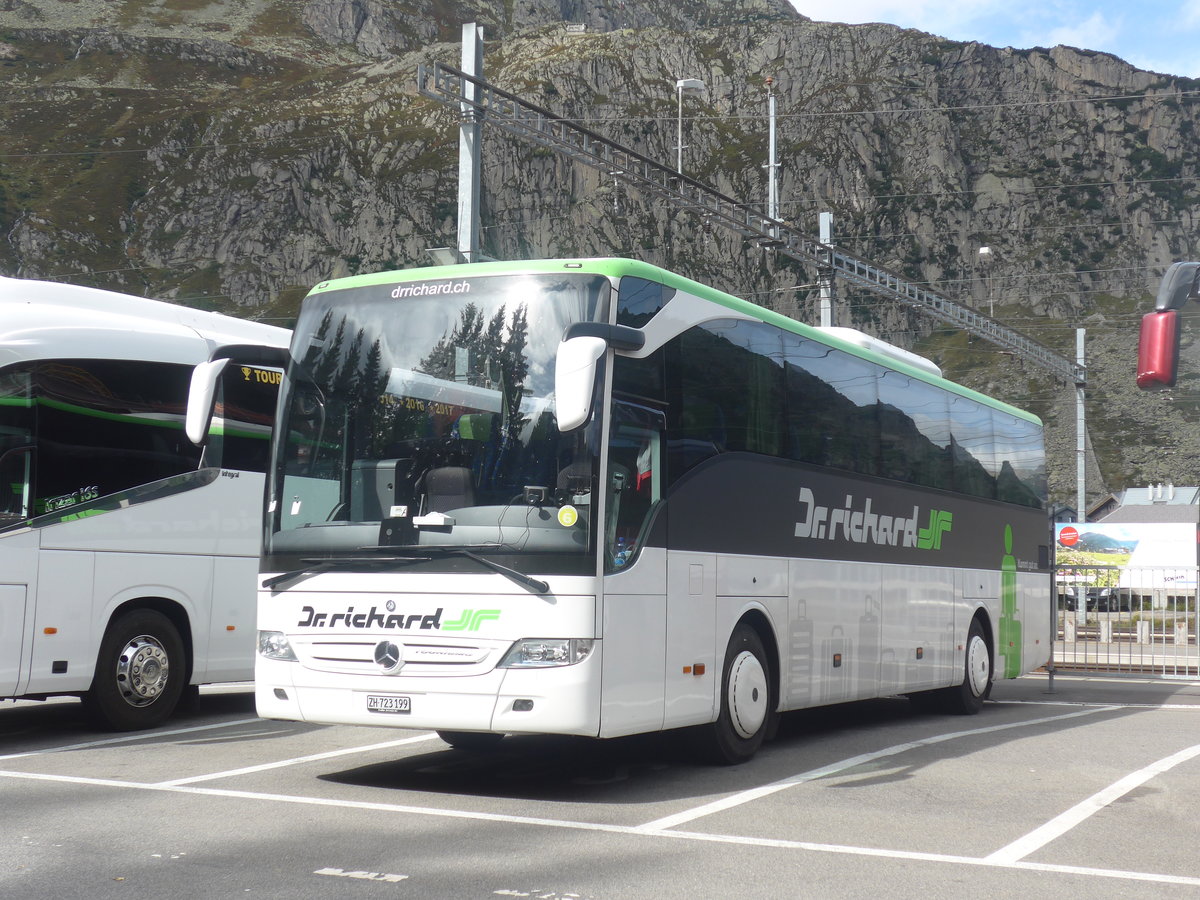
(592, 497)
(127, 556)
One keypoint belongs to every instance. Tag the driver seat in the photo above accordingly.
(447, 488)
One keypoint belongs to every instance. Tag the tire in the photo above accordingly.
(747, 711)
(967, 698)
(140, 672)
(472, 741)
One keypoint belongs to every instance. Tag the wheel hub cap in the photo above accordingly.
(747, 694)
(142, 670)
(977, 665)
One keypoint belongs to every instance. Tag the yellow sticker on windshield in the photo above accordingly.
(567, 516)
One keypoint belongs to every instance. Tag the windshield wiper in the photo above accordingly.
(527, 581)
(323, 565)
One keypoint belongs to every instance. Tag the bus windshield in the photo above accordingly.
(421, 414)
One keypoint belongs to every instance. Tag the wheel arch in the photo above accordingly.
(984, 617)
(757, 619)
(173, 610)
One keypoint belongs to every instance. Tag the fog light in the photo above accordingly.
(522, 705)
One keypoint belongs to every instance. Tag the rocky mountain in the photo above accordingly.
(231, 154)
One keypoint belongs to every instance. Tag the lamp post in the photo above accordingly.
(683, 86)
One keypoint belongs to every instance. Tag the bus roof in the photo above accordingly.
(618, 267)
(50, 320)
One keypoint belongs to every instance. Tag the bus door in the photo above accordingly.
(18, 559)
(635, 574)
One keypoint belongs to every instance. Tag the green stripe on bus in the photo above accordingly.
(109, 416)
(617, 268)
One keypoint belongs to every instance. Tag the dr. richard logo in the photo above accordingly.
(862, 526)
(470, 620)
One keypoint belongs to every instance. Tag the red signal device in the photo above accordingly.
(1158, 350)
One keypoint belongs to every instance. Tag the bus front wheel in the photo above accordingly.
(139, 672)
(747, 708)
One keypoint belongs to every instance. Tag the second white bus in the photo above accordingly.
(127, 556)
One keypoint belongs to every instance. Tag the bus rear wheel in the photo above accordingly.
(747, 704)
(965, 698)
(139, 672)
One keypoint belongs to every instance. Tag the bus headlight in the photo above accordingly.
(541, 652)
(274, 645)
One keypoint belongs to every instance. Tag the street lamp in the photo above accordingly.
(683, 86)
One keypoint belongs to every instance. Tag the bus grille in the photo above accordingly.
(357, 656)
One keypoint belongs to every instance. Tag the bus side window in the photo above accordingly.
(15, 469)
(833, 407)
(973, 448)
(638, 300)
(240, 436)
(106, 426)
(16, 445)
(914, 431)
(1021, 477)
(731, 392)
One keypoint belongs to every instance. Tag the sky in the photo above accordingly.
(1158, 35)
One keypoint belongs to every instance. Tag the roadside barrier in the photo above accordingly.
(1120, 619)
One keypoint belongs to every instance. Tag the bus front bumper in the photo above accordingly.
(553, 700)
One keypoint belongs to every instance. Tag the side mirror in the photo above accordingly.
(1180, 284)
(574, 379)
(201, 394)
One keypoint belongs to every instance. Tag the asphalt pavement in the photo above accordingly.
(1080, 787)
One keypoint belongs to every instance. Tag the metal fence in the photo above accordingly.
(1126, 620)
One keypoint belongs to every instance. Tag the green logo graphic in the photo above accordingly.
(471, 619)
(1010, 627)
(930, 537)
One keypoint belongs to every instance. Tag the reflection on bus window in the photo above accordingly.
(106, 426)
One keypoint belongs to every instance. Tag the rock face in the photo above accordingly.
(232, 154)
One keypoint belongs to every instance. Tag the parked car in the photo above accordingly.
(1098, 599)
(1108, 599)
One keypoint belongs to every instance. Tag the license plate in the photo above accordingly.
(389, 704)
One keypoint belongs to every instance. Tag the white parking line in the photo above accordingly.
(1009, 857)
(1064, 822)
(629, 830)
(765, 790)
(1076, 703)
(345, 751)
(140, 736)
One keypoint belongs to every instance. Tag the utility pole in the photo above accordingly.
(470, 143)
(825, 268)
(683, 86)
(772, 165)
(1080, 443)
